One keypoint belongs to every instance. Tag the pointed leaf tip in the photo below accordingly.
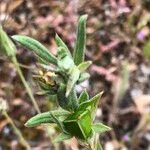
(100, 128)
(60, 43)
(79, 50)
(36, 47)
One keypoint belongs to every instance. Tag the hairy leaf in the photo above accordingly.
(83, 76)
(83, 97)
(7, 47)
(57, 121)
(65, 62)
(84, 65)
(73, 78)
(91, 105)
(45, 118)
(79, 51)
(36, 47)
(68, 103)
(79, 124)
(62, 137)
(60, 43)
(100, 128)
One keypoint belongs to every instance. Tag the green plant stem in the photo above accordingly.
(17, 131)
(14, 60)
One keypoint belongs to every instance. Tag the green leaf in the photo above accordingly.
(79, 124)
(83, 76)
(60, 43)
(83, 97)
(45, 118)
(36, 47)
(57, 121)
(7, 47)
(84, 65)
(73, 78)
(65, 62)
(68, 103)
(147, 49)
(79, 51)
(62, 100)
(62, 137)
(100, 128)
(92, 105)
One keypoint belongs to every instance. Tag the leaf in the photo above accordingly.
(73, 78)
(83, 76)
(36, 47)
(73, 103)
(68, 103)
(79, 124)
(83, 97)
(79, 51)
(100, 128)
(91, 105)
(65, 62)
(45, 118)
(62, 100)
(7, 47)
(60, 43)
(84, 65)
(147, 49)
(62, 137)
(57, 121)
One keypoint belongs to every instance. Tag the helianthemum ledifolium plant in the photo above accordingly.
(59, 77)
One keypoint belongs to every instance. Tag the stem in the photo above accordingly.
(25, 84)
(17, 131)
(30, 93)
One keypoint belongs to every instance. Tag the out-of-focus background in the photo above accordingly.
(118, 43)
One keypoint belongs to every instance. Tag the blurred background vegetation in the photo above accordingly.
(118, 43)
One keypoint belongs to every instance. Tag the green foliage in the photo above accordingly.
(79, 51)
(36, 47)
(46, 117)
(62, 137)
(7, 47)
(73, 78)
(60, 43)
(84, 96)
(76, 118)
(84, 65)
(100, 128)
